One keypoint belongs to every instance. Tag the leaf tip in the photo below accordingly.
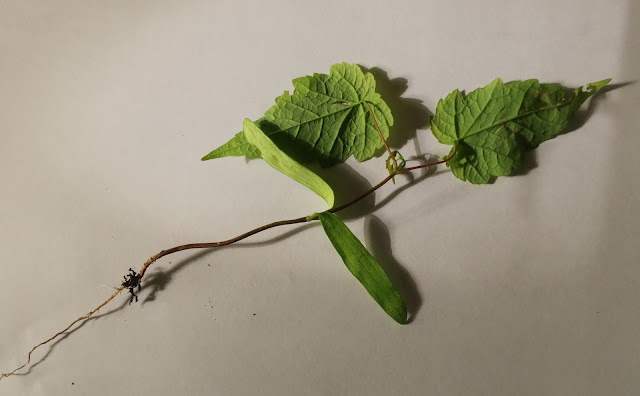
(596, 86)
(401, 318)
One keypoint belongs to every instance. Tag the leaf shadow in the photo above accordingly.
(378, 242)
(409, 114)
(584, 113)
(344, 180)
(529, 163)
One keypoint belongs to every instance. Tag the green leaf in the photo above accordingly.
(364, 267)
(325, 117)
(494, 125)
(285, 164)
(237, 146)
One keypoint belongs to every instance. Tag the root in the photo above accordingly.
(84, 317)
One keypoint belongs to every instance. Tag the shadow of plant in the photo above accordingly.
(378, 242)
(409, 114)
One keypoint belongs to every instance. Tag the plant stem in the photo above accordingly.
(175, 249)
(393, 158)
(455, 151)
(377, 127)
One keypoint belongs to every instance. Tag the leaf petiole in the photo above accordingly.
(443, 161)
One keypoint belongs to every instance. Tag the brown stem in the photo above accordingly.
(208, 245)
(359, 197)
(455, 151)
(166, 252)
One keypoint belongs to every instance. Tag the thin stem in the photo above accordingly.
(363, 195)
(208, 245)
(377, 127)
(455, 151)
(166, 252)
(393, 158)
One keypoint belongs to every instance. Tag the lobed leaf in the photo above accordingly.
(324, 118)
(364, 267)
(494, 125)
(285, 164)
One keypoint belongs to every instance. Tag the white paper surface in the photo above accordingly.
(528, 286)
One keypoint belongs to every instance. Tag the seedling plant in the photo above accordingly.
(331, 117)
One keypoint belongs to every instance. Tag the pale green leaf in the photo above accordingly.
(364, 267)
(237, 146)
(285, 164)
(494, 125)
(326, 118)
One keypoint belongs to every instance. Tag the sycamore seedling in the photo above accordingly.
(331, 117)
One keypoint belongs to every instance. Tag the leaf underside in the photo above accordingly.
(364, 267)
(285, 164)
(493, 126)
(325, 118)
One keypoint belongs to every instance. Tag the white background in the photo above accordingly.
(528, 286)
